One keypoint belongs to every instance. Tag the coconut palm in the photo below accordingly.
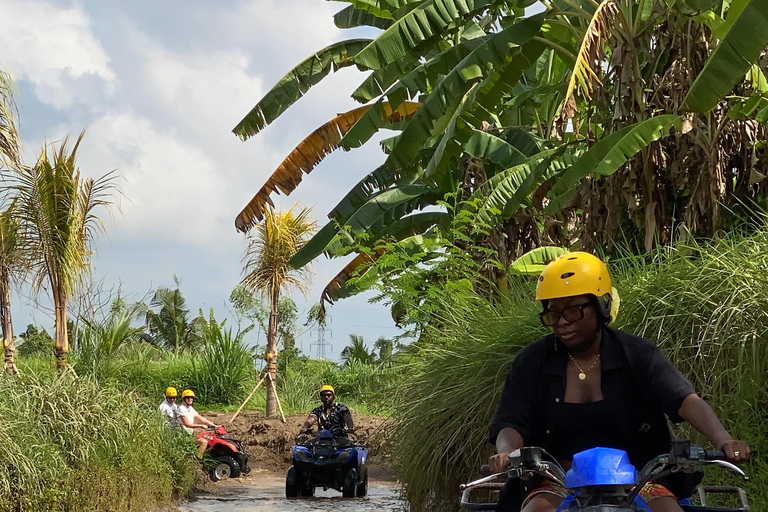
(59, 210)
(169, 325)
(13, 261)
(266, 270)
(357, 351)
(10, 142)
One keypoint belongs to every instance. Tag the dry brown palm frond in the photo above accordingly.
(308, 154)
(350, 270)
(583, 75)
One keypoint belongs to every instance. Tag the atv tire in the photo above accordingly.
(224, 467)
(362, 487)
(349, 487)
(291, 485)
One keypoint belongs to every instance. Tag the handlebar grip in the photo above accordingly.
(714, 455)
(485, 470)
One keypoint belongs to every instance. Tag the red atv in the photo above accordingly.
(224, 457)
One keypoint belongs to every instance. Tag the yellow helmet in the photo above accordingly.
(171, 391)
(577, 273)
(573, 273)
(187, 392)
(327, 387)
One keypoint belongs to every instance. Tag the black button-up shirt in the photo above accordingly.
(333, 421)
(638, 382)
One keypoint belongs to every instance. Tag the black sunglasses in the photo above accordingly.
(571, 314)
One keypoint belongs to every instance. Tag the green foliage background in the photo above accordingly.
(703, 304)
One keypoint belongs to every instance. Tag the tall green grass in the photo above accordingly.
(69, 444)
(704, 305)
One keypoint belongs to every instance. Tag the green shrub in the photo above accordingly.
(223, 372)
(69, 444)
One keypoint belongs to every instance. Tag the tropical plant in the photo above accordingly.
(223, 369)
(58, 209)
(266, 271)
(10, 142)
(169, 324)
(14, 261)
(100, 340)
(565, 128)
(357, 351)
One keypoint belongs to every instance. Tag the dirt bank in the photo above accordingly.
(269, 441)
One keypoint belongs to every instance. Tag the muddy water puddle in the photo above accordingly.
(268, 495)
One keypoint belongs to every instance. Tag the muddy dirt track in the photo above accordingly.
(267, 494)
(269, 443)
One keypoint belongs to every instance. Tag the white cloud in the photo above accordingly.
(55, 49)
(173, 193)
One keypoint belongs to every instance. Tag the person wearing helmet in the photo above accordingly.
(330, 415)
(169, 409)
(191, 420)
(588, 384)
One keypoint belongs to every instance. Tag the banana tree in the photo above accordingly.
(563, 127)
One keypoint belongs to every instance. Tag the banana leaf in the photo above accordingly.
(534, 261)
(296, 83)
(438, 108)
(351, 17)
(608, 155)
(427, 21)
(378, 211)
(380, 8)
(513, 187)
(420, 78)
(307, 155)
(747, 37)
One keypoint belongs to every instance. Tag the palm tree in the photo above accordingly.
(10, 142)
(58, 209)
(13, 260)
(169, 325)
(357, 351)
(11, 252)
(266, 271)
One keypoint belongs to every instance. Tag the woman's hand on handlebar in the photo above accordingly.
(499, 462)
(737, 452)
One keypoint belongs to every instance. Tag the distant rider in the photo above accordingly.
(589, 385)
(329, 416)
(169, 408)
(191, 420)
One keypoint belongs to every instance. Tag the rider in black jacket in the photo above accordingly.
(590, 385)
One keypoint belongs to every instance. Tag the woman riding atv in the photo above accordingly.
(589, 385)
(329, 416)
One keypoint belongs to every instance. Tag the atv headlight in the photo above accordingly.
(301, 455)
(343, 455)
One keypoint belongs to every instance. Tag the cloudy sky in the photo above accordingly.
(159, 86)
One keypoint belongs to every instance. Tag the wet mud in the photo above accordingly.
(267, 494)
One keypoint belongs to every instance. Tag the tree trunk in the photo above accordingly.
(7, 325)
(61, 340)
(271, 407)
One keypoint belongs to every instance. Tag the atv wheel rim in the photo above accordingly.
(222, 471)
